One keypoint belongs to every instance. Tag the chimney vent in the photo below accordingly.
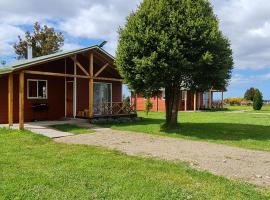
(29, 52)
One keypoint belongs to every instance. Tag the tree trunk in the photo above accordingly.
(172, 103)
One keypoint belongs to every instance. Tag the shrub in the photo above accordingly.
(148, 105)
(258, 100)
(233, 101)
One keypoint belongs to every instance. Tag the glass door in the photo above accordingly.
(102, 98)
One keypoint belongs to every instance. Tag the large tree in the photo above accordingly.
(250, 93)
(173, 44)
(44, 40)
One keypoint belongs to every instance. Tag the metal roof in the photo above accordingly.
(21, 64)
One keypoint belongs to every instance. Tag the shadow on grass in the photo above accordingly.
(204, 131)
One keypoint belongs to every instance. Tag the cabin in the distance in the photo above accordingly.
(189, 101)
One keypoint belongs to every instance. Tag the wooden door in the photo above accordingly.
(69, 99)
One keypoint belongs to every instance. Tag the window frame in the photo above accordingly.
(37, 81)
(183, 95)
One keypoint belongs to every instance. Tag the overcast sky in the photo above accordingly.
(85, 22)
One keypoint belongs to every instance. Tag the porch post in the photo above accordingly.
(21, 100)
(135, 103)
(10, 100)
(210, 99)
(91, 86)
(157, 103)
(185, 100)
(195, 101)
(222, 98)
(75, 91)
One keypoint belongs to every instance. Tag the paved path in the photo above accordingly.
(43, 128)
(235, 163)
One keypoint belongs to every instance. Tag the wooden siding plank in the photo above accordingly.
(21, 100)
(10, 100)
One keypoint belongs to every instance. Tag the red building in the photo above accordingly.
(80, 83)
(189, 101)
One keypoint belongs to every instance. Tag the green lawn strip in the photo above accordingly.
(245, 130)
(72, 128)
(34, 167)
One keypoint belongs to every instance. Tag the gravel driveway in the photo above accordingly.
(235, 163)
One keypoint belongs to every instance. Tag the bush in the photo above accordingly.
(258, 100)
(148, 105)
(233, 101)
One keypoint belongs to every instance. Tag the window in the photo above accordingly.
(205, 99)
(184, 95)
(163, 94)
(37, 89)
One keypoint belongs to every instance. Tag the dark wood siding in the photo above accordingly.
(3, 99)
(56, 90)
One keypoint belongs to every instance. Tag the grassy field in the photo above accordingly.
(34, 167)
(247, 130)
(265, 108)
(72, 128)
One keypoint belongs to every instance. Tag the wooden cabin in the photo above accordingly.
(82, 83)
(189, 101)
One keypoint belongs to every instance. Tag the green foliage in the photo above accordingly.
(258, 100)
(44, 41)
(250, 93)
(148, 105)
(173, 44)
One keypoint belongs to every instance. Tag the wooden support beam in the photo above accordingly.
(21, 100)
(71, 75)
(10, 100)
(108, 79)
(222, 99)
(185, 100)
(210, 99)
(91, 85)
(80, 65)
(195, 101)
(135, 103)
(55, 74)
(101, 69)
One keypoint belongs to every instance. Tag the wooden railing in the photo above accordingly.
(108, 108)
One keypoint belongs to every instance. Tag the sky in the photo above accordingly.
(86, 22)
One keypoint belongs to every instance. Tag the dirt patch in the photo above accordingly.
(231, 162)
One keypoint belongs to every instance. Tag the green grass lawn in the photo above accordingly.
(34, 167)
(265, 108)
(72, 128)
(246, 130)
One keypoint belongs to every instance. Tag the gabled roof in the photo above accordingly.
(21, 64)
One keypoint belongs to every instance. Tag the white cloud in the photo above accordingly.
(247, 24)
(238, 79)
(8, 36)
(93, 19)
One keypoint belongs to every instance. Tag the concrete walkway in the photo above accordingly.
(231, 162)
(43, 128)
